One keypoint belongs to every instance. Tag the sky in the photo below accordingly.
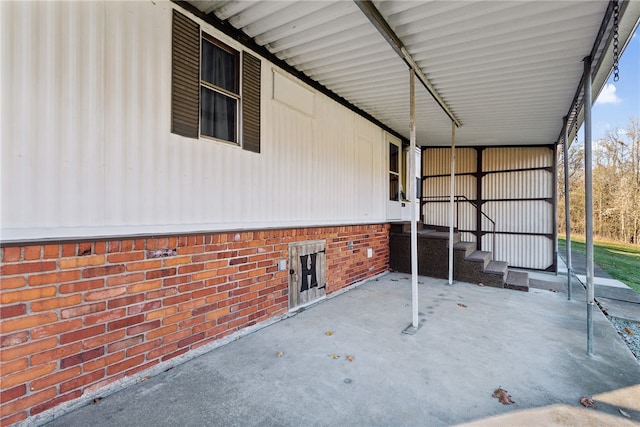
(618, 101)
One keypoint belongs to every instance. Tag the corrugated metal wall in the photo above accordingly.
(437, 161)
(517, 193)
(87, 148)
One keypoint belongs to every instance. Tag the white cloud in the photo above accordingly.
(608, 95)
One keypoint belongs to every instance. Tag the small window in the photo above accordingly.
(394, 172)
(218, 91)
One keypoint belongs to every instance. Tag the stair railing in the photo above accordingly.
(439, 199)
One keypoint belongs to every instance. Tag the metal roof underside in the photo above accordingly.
(508, 70)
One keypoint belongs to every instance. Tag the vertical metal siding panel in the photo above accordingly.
(519, 215)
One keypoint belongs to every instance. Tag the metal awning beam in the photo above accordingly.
(378, 21)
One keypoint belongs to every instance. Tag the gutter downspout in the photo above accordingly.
(567, 213)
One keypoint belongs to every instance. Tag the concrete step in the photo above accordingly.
(479, 256)
(465, 247)
(496, 267)
(517, 280)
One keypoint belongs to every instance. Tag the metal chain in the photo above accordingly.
(575, 123)
(616, 52)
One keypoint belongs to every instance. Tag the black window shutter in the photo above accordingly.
(185, 76)
(250, 102)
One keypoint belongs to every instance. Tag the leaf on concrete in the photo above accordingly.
(587, 402)
(97, 400)
(328, 333)
(279, 354)
(334, 356)
(624, 414)
(629, 331)
(350, 358)
(480, 284)
(503, 396)
(462, 305)
(553, 290)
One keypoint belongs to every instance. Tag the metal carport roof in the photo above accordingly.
(508, 70)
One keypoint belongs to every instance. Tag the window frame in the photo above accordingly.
(225, 92)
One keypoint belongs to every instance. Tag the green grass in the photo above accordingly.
(620, 261)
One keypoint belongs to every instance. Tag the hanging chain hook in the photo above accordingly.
(616, 52)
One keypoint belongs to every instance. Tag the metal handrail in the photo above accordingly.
(426, 199)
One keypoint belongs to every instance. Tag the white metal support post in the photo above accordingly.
(567, 213)
(588, 201)
(452, 190)
(412, 198)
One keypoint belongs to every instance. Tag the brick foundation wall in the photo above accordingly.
(77, 316)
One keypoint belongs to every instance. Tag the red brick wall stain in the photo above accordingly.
(75, 317)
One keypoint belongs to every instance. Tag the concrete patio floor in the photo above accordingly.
(473, 340)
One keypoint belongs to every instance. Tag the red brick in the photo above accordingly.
(156, 274)
(57, 352)
(13, 393)
(81, 381)
(14, 366)
(144, 265)
(141, 308)
(53, 303)
(11, 253)
(190, 268)
(161, 293)
(125, 257)
(80, 262)
(105, 316)
(124, 279)
(27, 375)
(190, 340)
(141, 368)
(125, 364)
(175, 337)
(69, 249)
(55, 328)
(174, 354)
(105, 339)
(143, 348)
(144, 327)
(177, 299)
(54, 402)
(175, 318)
(100, 248)
(81, 334)
(12, 311)
(12, 282)
(102, 362)
(28, 401)
(51, 251)
(173, 261)
(172, 281)
(83, 357)
(121, 302)
(55, 378)
(121, 345)
(144, 286)
(161, 313)
(57, 278)
(127, 321)
(32, 253)
(101, 384)
(105, 294)
(166, 330)
(102, 271)
(26, 322)
(14, 339)
(27, 267)
(84, 249)
(82, 286)
(82, 310)
(27, 295)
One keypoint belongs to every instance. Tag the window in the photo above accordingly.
(219, 93)
(394, 172)
(215, 90)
